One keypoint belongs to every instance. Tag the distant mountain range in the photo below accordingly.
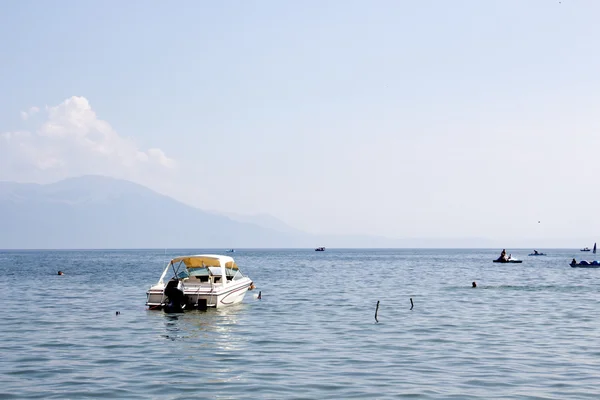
(101, 212)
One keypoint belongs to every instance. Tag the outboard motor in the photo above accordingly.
(176, 298)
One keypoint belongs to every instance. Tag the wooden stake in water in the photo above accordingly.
(376, 309)
(411, 304)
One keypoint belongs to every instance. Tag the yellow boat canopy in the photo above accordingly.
(206, 260)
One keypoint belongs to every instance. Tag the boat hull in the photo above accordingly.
(585, 265)
(508, 262)
(201, 296)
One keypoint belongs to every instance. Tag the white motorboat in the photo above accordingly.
(199, 282)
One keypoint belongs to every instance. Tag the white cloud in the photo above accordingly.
(160, 156)
(72, 140)
(26, 114)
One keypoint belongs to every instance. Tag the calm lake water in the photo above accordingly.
(528, 331)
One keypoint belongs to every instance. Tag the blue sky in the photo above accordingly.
(398, 118)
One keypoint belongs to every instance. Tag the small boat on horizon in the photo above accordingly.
(504, 259)
(585, 249)
(585, 264)
(508, 261)
(320, 249)
(536, 253)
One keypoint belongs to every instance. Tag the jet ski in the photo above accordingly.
(508, 261)
(586, 264)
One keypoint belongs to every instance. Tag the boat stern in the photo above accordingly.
(155, 296)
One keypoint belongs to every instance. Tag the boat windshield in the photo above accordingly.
(183, 274)
(199, 272)
(182, 270)
(206, 271)
(233, 274)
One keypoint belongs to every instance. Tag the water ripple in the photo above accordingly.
(528, 331)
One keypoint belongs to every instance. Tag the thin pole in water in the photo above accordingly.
(411, 304)
(376, 309)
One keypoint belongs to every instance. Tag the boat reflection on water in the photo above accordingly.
(213, 328)
(214, 336)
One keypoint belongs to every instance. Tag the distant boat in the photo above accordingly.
(508, 261)
(585, 249)
(230, 251)
(536, 253)
(585, 264)
(320, 249)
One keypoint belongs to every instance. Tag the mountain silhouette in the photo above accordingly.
(102, 212)
(97, 212)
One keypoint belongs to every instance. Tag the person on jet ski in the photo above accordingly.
(503, 255)
(535, 252)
